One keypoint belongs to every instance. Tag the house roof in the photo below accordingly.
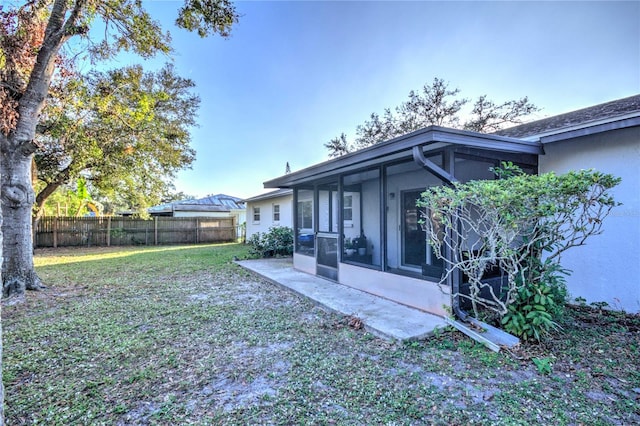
(210, 203)
(269, 195)
(430, 139)
(612, 115)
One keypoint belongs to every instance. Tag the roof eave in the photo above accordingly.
(590, 130)
(268, 196)
(435, 136)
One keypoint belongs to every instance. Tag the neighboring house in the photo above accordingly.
(368, 198)
(219, 205)
(273, 208)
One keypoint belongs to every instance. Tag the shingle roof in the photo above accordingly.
(607, 111)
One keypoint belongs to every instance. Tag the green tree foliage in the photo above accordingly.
(125, 131)
(522, 224)
(207, 17)
(338, 145)
(33, 36)
(436, 104)
(65, 202)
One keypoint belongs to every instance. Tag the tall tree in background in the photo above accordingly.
(31, 38)
(125, 132)
(338, 145)
(434, 105)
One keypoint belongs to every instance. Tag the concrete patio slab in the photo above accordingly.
(381, 317)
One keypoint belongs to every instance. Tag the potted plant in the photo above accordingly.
(361, 244)
(349, 248)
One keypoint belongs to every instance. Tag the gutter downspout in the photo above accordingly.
(453, 280)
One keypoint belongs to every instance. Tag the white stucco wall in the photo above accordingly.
(304, 263)
(266, 214)
(426, 295)
(607, 268)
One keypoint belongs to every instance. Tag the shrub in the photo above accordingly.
(278, 241)
(537, 306)
(512, 223)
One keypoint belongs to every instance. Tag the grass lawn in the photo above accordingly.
(181, 335)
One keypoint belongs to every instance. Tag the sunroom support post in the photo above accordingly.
(294, 220)
(340, 219)
(382, 187)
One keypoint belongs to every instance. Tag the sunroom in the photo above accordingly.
(355, 217)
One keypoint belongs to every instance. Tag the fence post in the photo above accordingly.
(34, 233)
(55, 232)
(197, 229)
(155, 231)
(108, 231)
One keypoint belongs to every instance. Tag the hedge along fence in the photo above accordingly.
(123, 231)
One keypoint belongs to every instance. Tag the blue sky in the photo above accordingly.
(293, 75)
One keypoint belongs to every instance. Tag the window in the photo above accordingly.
(276, 212)
(256, 214)
(347, 211)
(305, 214)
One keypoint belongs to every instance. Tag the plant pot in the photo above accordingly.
(350, 252)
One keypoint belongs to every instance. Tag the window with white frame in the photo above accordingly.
(276, 212)
(256, 214)
(305, 214)
(347, 208)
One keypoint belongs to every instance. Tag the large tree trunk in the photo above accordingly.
(1, 382)
(17, 148)
(18, 273)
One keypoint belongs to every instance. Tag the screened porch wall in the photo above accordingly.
(361, 217)
(403, 178)
(354, 205)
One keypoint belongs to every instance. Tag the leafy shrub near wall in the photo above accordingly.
(537, 306)
(278, 241)
(521, 224)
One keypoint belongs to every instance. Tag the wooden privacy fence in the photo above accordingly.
(123, 231)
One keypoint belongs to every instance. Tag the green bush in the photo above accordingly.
(531, 315)
(278, 241)
(512, 223)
